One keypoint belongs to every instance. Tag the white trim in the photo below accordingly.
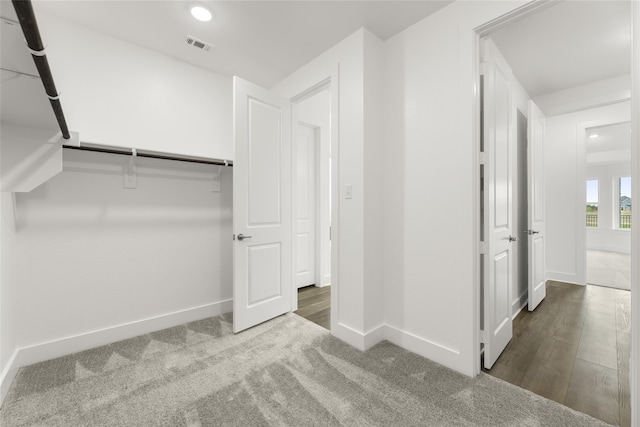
(26, 356)
(361, 341)
(634, 362)
(426, 348)
(564, 277)
(326, 76)
(6, 379)
(519, 303)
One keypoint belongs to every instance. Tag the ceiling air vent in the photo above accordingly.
(202, 45)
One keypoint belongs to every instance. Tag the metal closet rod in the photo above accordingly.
(150, 154)
(29, 25)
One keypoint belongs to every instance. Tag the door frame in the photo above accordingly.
(485, 30)
(316, 201)
(330, 82)
(479, 33)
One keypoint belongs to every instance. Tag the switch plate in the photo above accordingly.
(348, 191)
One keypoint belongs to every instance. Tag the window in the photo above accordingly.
(592, 203)
(624, 202)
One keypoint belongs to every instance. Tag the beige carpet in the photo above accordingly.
(285, 372)
(609, 269)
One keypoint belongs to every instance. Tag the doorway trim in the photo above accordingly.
(330, 81)
(479, 33)
(486, 29)
(635, 233)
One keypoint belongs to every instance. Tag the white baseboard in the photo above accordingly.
(26, 356)
(425, 348)
(7, 376)
(364, 341)
(374, 336)
(563, 277)
(359, 340)
(612, 248)
(520, 303)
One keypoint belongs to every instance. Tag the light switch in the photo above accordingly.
(348, 191)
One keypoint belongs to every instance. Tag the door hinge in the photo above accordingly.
(483, 68)
(482, 340)
(482, 158)
(483, 248)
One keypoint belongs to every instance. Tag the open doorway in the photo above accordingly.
(608, 207)
(577, 332)
(312, 187)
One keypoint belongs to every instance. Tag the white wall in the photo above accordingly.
(95, 263)
(565, 174)
(117, 93)
(606, 237)
(316, 111)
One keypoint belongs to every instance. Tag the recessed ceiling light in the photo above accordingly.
(201, 13)
(594, 135)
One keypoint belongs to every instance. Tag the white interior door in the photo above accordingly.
(305, 205)
(497, 193)
(536, 229)
(262, 210)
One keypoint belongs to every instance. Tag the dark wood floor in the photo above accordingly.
(315, 304)
(574, 349)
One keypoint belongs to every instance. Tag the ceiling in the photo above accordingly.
(261, 41)
(564, 45)
(610, 137)
(612, 144)
(568, 44)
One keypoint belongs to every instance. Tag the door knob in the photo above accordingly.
(512, 239)
(241, 237)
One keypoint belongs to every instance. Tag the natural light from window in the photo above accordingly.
(624, 202)
(592, 203)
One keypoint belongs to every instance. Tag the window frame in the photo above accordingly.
(616, 203)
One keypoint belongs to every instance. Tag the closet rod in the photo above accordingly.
(151, 155)
(29, 25)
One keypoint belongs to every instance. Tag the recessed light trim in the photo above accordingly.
(201, 13)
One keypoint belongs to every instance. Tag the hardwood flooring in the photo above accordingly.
(314, 304)
(574, 349)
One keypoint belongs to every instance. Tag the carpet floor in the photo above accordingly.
(287, 371)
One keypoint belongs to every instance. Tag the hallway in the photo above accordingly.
(314, 304)
(574, 349)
